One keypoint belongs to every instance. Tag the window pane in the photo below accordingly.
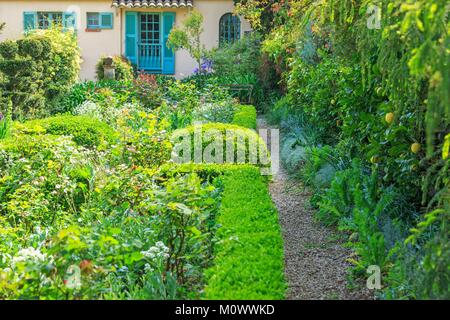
(229, 28)
(93, 19)
(43, 20)
(47, 19)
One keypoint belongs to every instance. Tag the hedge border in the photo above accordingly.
(249, 257)
(245, 117)
(84, 130)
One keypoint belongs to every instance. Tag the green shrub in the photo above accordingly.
(338, 200)
(239, 63)
(85, 131)
(107, 93)
(249, 256)
(39, 184)
(246, 53)
(222, 111)
(147, 91)
(279, 111)
(123, 242)
(38, 70)
(144, 140)
(124, 70)
(216, 140)
(245, 116)
(63, 66)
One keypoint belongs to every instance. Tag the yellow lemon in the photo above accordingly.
(389, 117)
(374, 159)
(415, 147)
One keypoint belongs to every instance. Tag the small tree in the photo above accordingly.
(188, 37)
(2, 25)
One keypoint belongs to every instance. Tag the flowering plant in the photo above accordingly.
(206, 67)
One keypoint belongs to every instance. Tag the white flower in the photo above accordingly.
(148, 268)
(29, 255)
(159, 250)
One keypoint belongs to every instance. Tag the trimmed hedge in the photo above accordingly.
(245, 117)
(38, 70)
(244, 140)
(248, 262)
(85, 131)
(206, 172)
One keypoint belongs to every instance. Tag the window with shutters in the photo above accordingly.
(99, 20)
(48, 19)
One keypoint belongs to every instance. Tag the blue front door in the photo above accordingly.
(150, 44)
(146, 37)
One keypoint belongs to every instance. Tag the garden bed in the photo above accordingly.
(93, 207)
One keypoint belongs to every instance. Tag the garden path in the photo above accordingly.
(315, 259)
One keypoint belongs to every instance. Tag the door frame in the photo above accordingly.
(161, 39)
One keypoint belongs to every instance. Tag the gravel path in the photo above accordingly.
(315, 260)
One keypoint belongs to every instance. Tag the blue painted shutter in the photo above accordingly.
(131, 31)
(106, 20)
(168, 54)
(29, 21)
(69, 20)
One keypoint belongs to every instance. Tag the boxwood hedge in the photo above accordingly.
(85, 131)
(248, 147)
(248, 262)
(245, 116)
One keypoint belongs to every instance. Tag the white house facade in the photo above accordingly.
(137, 29)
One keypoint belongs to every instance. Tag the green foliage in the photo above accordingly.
(249, 256)
(107, 93)
(214, 112)
(188, 37)
(376, 95)
(85, 131)
(120, 251)
(147, 91)
(320, 165)
(355, 202)
(95, 194)
(123, 69)
(38, 185)
(144, 140)
(111, 97)
(219, 143)
(338, 201)
(240, 64)
(240, 58)
(245, 116)
(436, 278)
(5, 122)
(38, 70)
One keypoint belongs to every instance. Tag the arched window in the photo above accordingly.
(229, 28)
